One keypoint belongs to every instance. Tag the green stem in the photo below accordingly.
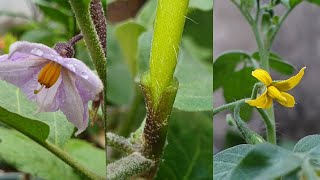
(119, 142)
(250, 136)
(83, 17)
(69, 160)
(270, 127)
(228, 106)
(168, 28)
(255, 90)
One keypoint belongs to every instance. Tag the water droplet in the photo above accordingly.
(37, 52)
(71, 67)
(84, 75)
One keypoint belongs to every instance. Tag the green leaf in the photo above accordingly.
(187, 155)
(291, 3)
(15, 101)
(195, 89)
(197, 36)
(317, 2)
(88, 155)
(147, 14)
(247, 4)
(204, 5)
(120, 82)
(309, 144)
(55, 12)
(277, 63)
(225, 65)
(33, 128)
(127, 35)
(225, 161)
(266, 161)
(144, 48)
(238, 85)
(27, 156)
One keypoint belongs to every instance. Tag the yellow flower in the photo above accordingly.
(275, 90)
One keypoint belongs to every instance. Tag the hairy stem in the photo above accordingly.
(69, 160)
(228, 106)
(86, 25)
(270, 127)
(119, 142)
(168, 28)
(250, 136)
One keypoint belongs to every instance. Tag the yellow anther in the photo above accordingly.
(49, 75)
(273, 92)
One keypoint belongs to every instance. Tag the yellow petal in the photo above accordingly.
(289, 83)
(262, 76)
(263, 101)
(290, 100)
(274, 93)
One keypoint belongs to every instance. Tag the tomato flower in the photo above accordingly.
(275, 89)
(52, 81)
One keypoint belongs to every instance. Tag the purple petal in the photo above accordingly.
(18, 73)
(89, 82)
(47, 98)
(71, 102)
(30, 48)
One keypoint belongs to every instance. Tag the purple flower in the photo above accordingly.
(52, 81)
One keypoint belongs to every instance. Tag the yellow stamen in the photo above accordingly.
(49, 75)
(274, 93)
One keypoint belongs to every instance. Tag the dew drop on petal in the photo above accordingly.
(37, 52)
(71, 67)
(84, 75)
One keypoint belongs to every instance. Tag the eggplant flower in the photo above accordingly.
(52, 81)
(275, 89)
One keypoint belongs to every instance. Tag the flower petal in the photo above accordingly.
(71, 104)
(274, 93)
(290, 100)
(85, 76)
(290, 83)
(35, 49)
(262, 76)
(18, 73)
(263, 101)
(47, 98)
